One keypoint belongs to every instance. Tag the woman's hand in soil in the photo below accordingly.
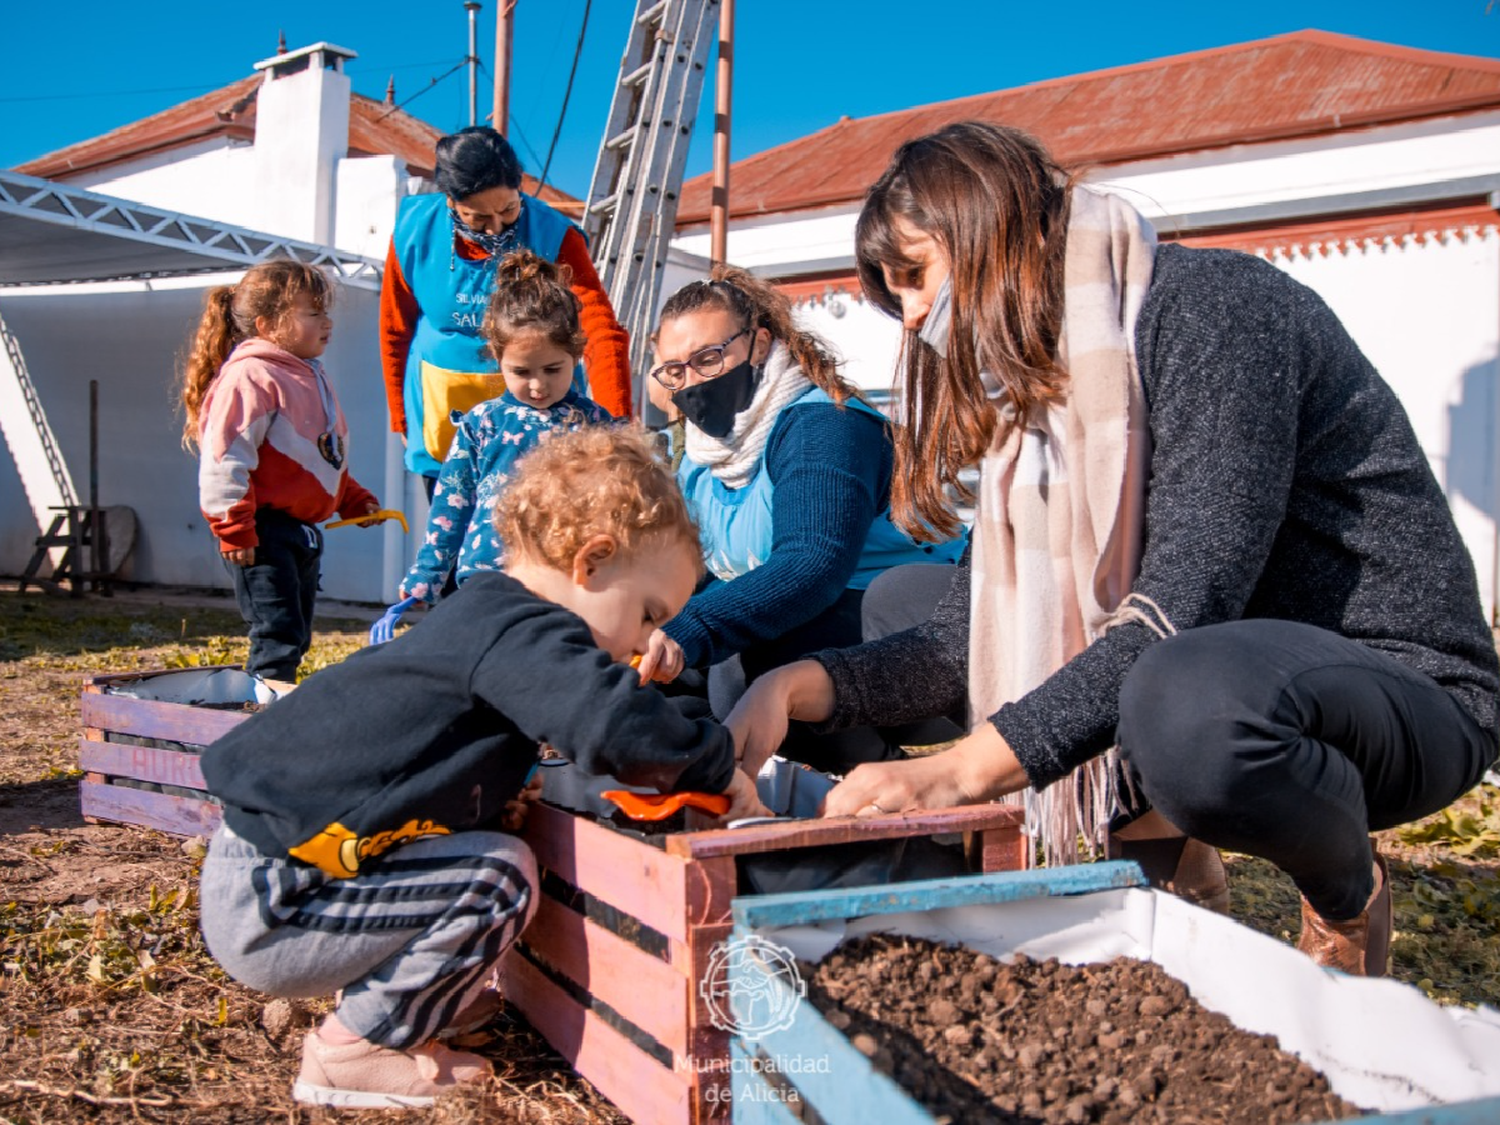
(240, 556)
(759, 720)
(744, 800)
(516, 812)
(663, 660)
(977, 768)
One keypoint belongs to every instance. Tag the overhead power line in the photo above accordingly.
(463, 62)
(567, 94)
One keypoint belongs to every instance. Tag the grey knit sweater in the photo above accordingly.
(1286, 482)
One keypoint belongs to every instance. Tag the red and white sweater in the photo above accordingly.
(258, 442)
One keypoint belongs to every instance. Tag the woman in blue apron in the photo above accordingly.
(788, 473)
(438, 276)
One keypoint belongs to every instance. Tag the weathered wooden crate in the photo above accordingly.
(810, 1065)
(129, 743)
(616, 991)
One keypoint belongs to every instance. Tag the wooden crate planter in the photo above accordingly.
(680, 893)
(841, 1086)
(150, 741)
(670, 902)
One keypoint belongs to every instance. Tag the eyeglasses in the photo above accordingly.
(707, 362)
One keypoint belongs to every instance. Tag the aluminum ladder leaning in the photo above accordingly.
(633, 196)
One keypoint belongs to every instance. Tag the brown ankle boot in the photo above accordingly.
(1173, 862)
(1361, 946)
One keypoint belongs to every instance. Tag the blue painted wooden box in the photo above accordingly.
(785, 1052)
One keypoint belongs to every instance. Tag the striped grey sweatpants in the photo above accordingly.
(411, 941)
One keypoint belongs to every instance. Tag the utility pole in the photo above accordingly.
(505, 27)
(718, 218)
(472, 7)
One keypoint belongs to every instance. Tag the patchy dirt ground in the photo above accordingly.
(1037, 1041)
(110, 1010)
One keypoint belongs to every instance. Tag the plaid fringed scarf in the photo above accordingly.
(1061, 508)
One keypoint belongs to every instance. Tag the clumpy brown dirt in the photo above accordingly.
(975, 1039)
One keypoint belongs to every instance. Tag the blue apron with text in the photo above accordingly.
(449, 368)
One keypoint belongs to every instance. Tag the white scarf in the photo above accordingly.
(1061, 508)
(735, 459)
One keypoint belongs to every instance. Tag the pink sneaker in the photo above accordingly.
(363, 1075)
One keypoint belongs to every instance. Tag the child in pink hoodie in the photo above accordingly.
(273, 441)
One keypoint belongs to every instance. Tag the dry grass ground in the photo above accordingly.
(110, 1009)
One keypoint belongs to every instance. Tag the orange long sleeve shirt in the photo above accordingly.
(606, 355)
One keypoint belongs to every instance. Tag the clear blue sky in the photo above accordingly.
(75, 70)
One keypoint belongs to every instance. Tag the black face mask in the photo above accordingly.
(714, 405)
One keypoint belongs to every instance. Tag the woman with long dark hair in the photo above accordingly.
(438, 276)
(1216, 598)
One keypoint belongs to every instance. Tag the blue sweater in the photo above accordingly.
(832, 472)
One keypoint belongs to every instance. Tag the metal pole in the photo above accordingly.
(505, 26)
(472, 7)
(718, 221)
(96, 536)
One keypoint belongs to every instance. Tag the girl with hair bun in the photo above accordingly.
(531, 327)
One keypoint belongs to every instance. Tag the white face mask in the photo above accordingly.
(938, 327)
(939, 323)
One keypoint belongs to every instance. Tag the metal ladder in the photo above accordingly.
(632, 202)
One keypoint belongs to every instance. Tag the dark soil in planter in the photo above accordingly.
(974, 1039)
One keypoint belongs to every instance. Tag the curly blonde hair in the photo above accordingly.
(574, 485)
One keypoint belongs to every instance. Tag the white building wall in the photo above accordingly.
(129, 337)
(1427, 314)
(214, 179)
(1396, 158)
(369, 189)
(1404, 157)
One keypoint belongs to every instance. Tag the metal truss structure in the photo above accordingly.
(51, 233)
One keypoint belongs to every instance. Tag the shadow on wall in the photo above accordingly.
(1472, 439)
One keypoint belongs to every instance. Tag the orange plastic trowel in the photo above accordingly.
(659, 806)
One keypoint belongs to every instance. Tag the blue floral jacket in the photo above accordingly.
(486, 444)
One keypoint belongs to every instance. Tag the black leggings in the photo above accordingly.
(1291, 743)
(277, 594)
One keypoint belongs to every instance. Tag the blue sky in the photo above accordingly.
(79, 69)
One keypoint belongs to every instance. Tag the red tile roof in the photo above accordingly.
(375, 129)
(1302, 84)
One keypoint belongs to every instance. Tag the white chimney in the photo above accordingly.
(301, 133)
